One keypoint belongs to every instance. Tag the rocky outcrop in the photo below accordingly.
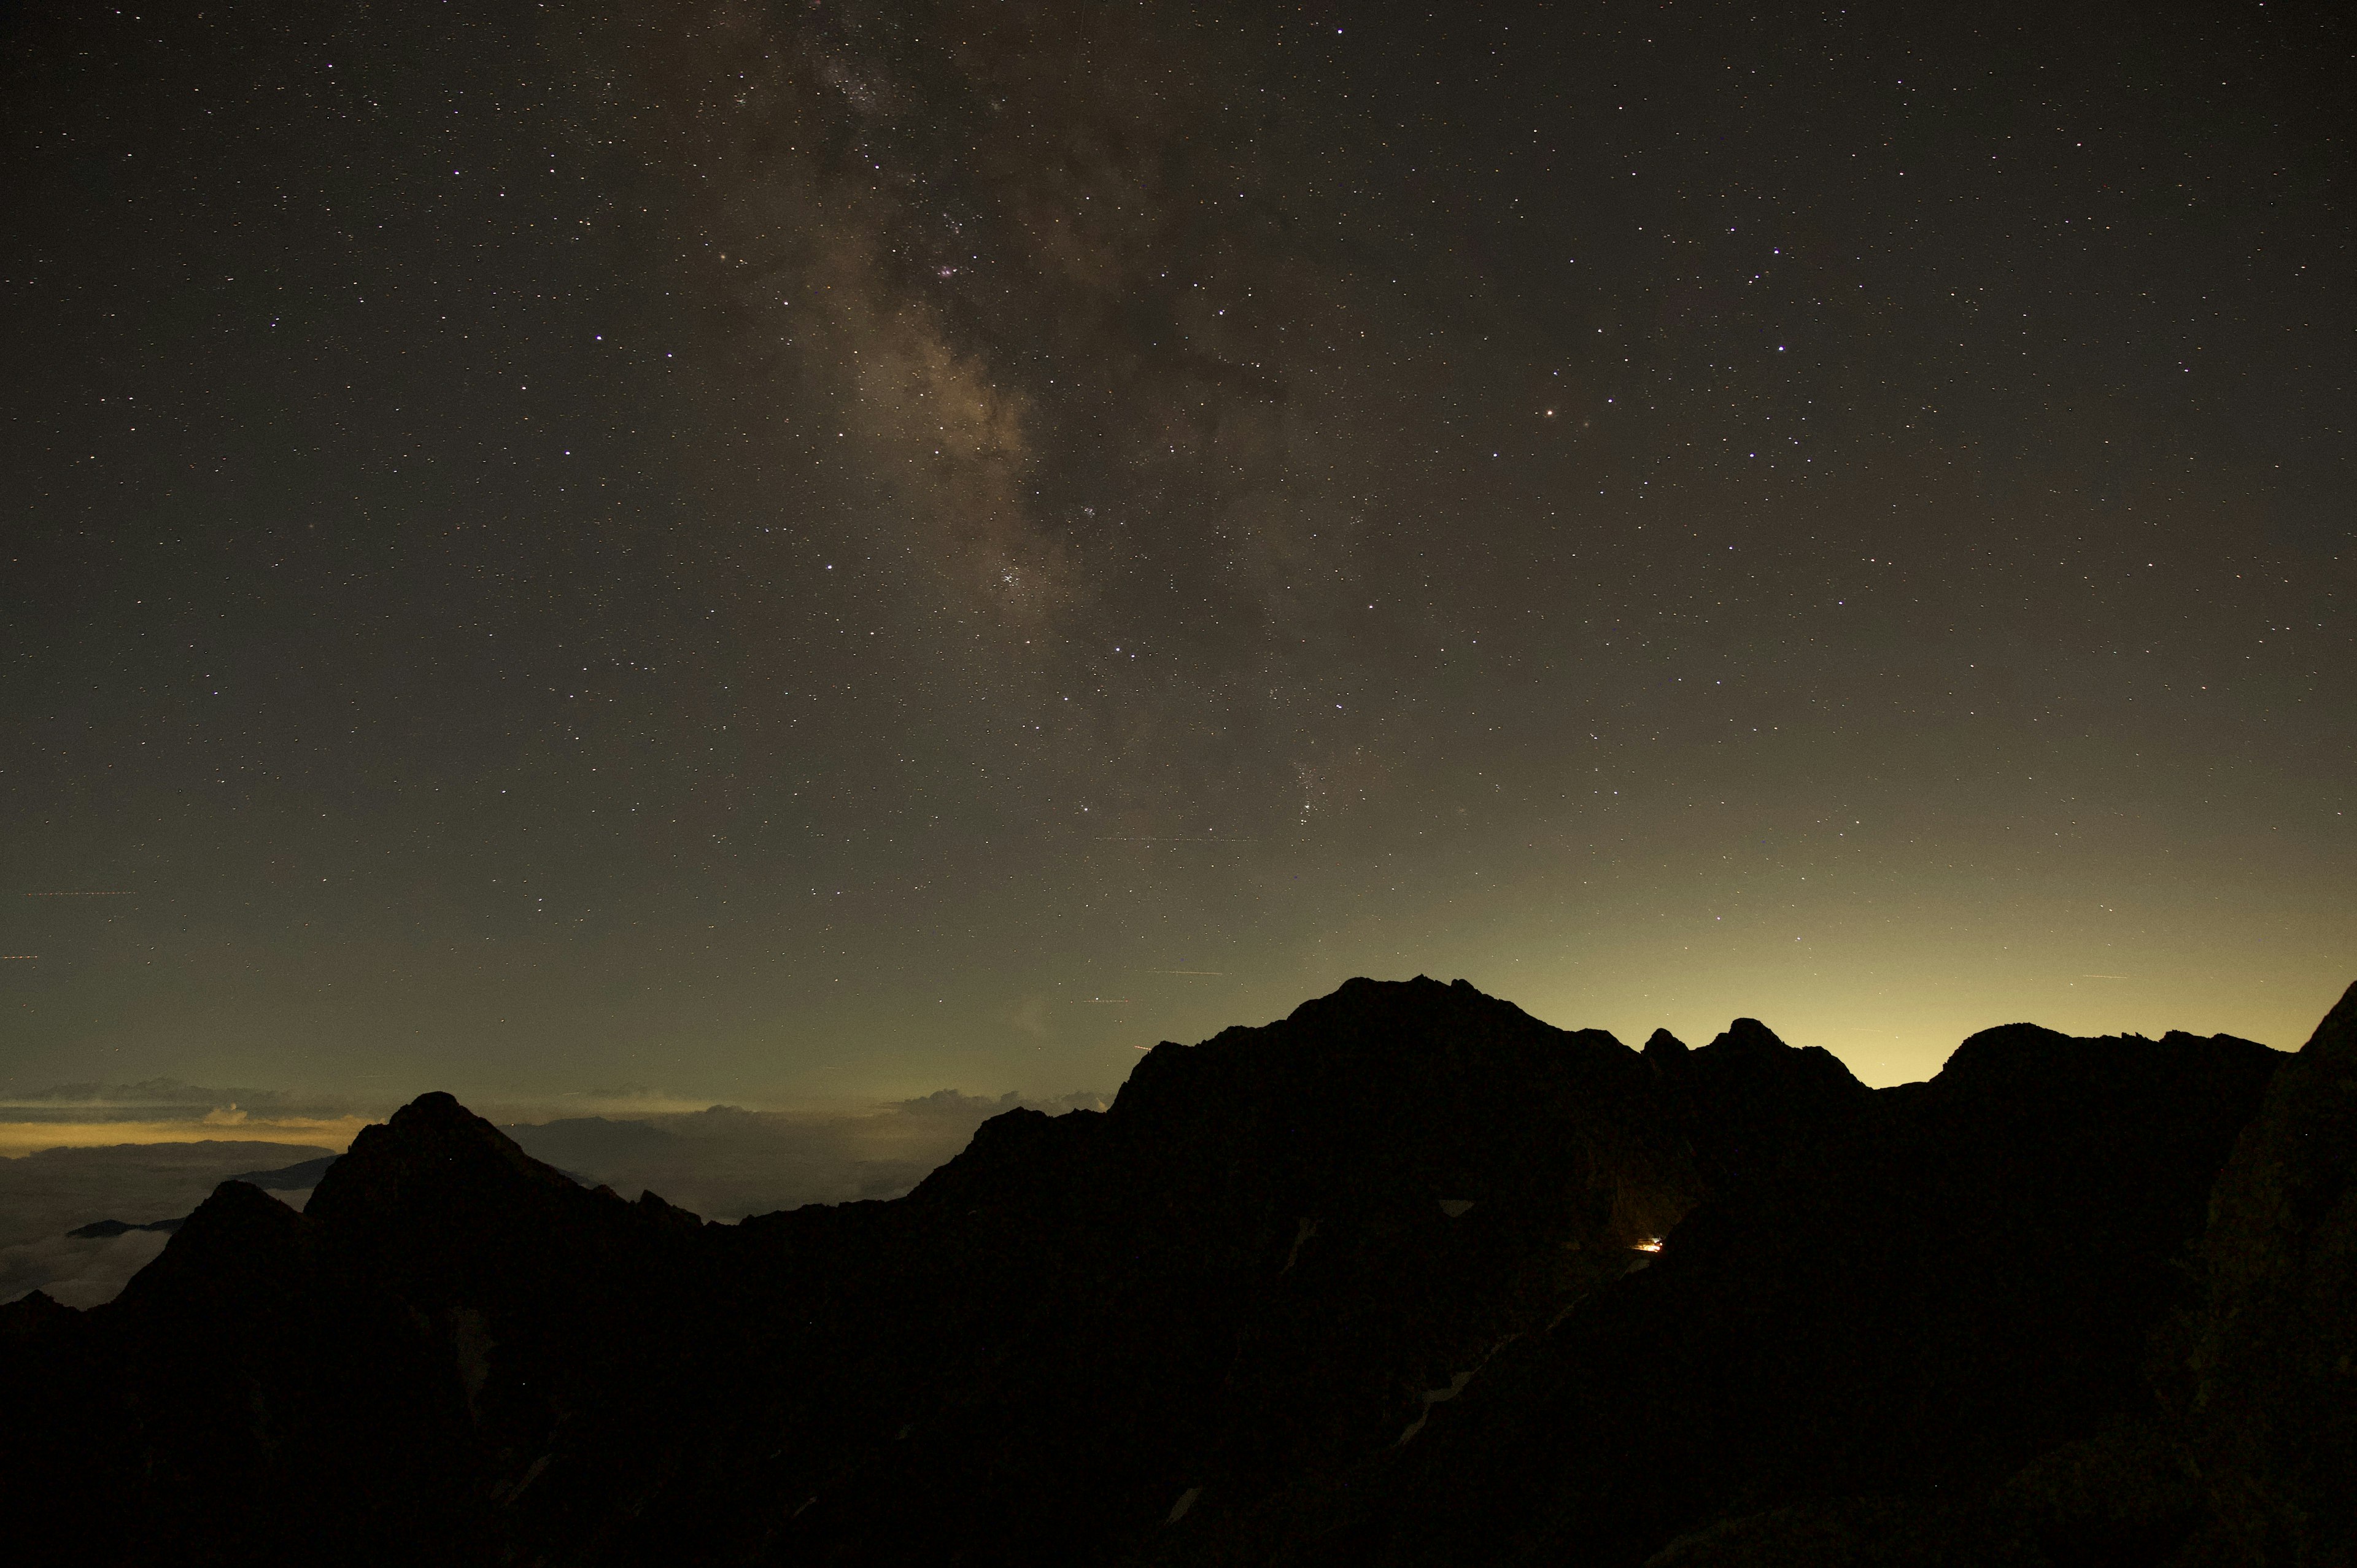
(2273, 1414)
(1916, 1305)
(1373, 1283)
(1752, 1104)
(250, 1394)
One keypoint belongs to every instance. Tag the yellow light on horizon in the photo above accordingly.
(19, 1139)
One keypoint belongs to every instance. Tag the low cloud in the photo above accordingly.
(725, 1162)
(99, 1115)
(163, 1100)
(45, 1195)
(78, 1271)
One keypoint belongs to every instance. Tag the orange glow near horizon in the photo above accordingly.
(19, 1139)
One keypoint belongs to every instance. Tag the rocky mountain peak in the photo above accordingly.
(433, 1154)
(236, 1240)
(1406, 1276)
(1747, 1034)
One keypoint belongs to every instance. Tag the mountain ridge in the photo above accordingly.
(1323, 1290)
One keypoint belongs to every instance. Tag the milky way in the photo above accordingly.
(787, 552)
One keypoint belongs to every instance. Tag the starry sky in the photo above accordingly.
(798, 552)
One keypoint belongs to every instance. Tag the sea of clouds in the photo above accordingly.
(723, 1161)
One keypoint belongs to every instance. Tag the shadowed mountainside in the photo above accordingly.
(1372, 1284)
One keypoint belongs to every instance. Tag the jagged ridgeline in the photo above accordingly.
(1406, 1278)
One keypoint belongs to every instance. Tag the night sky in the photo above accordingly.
(798, 552)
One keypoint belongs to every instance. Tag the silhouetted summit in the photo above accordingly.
(1385, 1094)
(1748, 1102)
(1405, 1277)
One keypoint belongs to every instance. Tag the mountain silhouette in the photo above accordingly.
(1408, 1276)
(105, 1230)
(300, 1177)
(286, 1178)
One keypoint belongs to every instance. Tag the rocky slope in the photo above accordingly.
(1377, 1283)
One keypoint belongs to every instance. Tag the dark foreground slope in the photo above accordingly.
(1962, 1276)
(1365, 1284)
(2269, 1367)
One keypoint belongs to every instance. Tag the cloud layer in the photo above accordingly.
(45, 1195)
(723, 1161)
(100, 1115)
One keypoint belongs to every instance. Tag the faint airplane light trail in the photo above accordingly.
(1221, 972)
(18, 957)
(2103, 977)
(124, 894)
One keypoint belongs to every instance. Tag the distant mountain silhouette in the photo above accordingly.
(298, 1178)
(1407, 1277)
(103, 1229)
